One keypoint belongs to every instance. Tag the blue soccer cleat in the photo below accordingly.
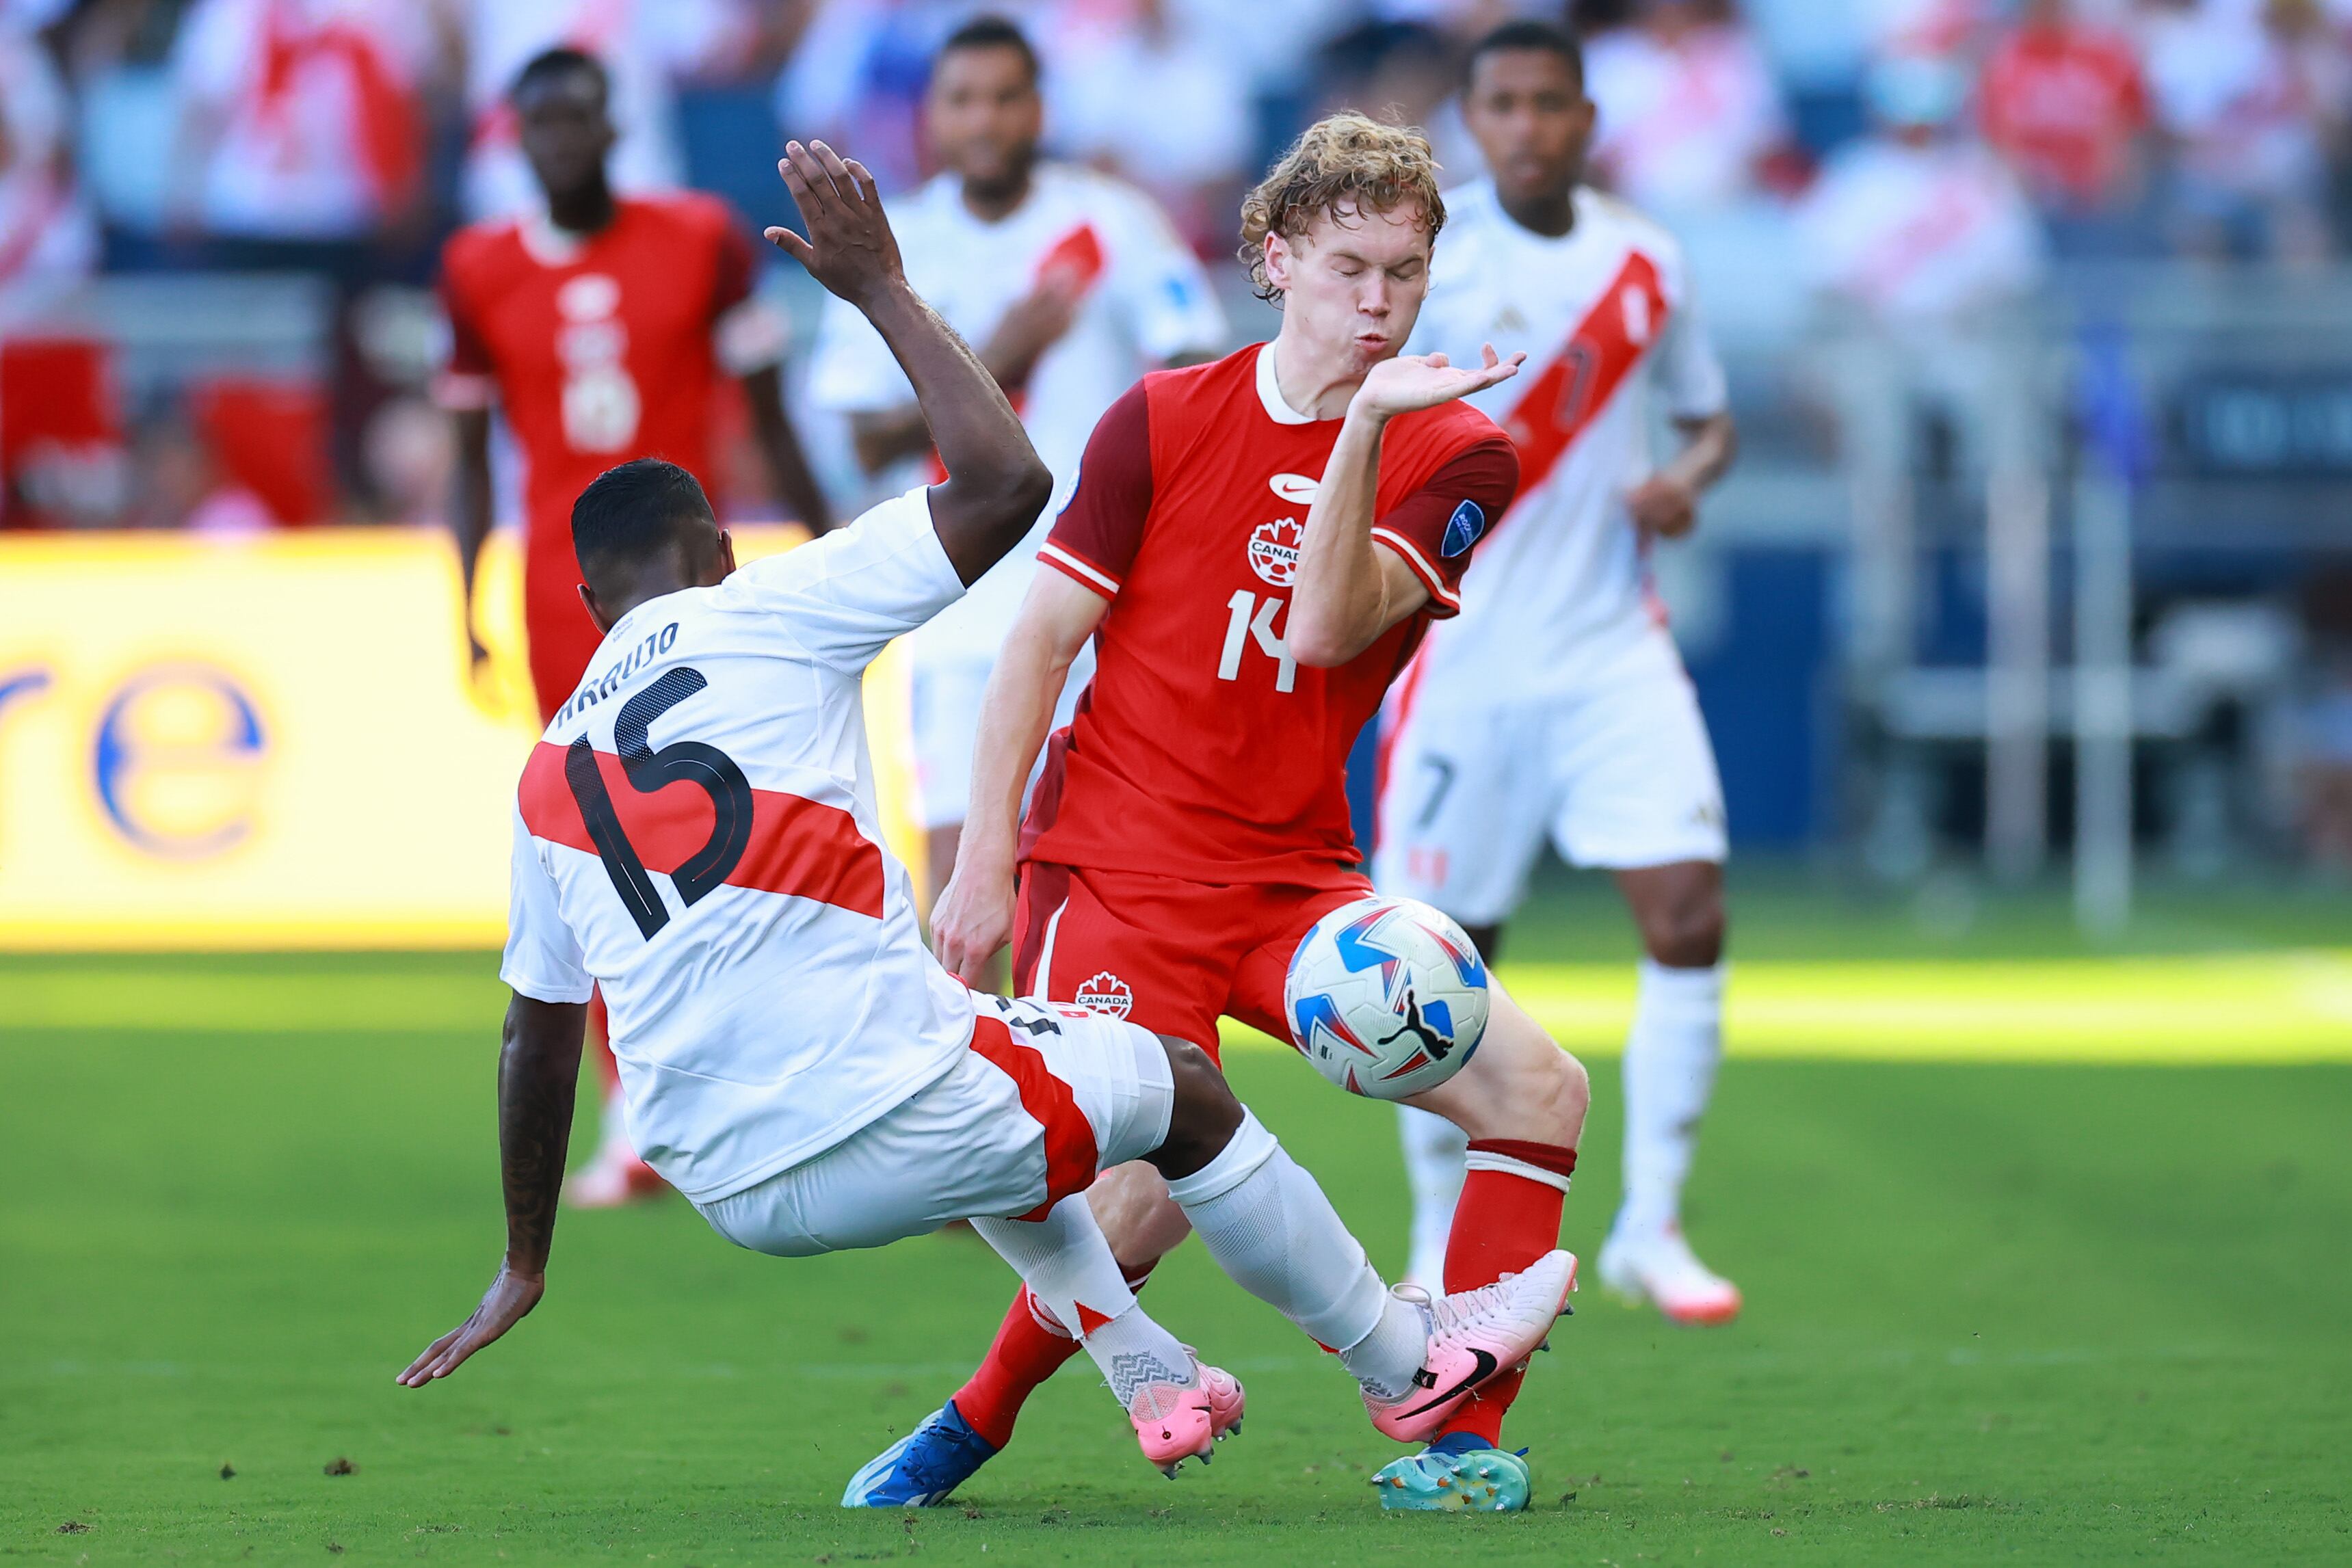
(921, 1468)
(1456, 1473)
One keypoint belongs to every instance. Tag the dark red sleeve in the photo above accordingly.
(1096, 537)
(1432, 529)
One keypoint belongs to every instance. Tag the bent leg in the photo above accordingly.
(1146, 958)
(1067, 1269)
(1274, 1232)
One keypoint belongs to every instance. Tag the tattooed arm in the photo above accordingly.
(539, 1076)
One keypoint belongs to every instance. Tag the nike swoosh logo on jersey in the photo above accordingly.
(1487, 1365)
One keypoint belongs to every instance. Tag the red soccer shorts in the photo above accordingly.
(1165, 953)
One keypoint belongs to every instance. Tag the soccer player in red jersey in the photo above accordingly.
(602, 327)
(1255, 547)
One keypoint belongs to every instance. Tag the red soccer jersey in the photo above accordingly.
(1201, 750)
(2062, 104)
(600, 349)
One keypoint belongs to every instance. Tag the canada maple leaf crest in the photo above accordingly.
(1273, 551)
(1106, 993)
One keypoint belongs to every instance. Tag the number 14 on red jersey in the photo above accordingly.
(1251, 619)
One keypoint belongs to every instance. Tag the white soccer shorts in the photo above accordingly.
(1616, 768)
(1046, 1096)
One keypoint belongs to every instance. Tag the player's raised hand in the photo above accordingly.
(1423, 380)
(506, 1303)
(850, 248)
(973, 919)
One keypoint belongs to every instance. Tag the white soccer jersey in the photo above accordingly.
(1147, 301)
(696, 833)
(1602, 312)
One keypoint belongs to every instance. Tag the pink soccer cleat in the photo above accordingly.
(1475, 1336)
(1660, 1268)
(1177, 1422)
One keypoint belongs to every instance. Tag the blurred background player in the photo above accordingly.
(1254, 548)
(643, 46)
(1071, 284)
(1556, 702)
(600, 325)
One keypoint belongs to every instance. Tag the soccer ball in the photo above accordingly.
(1386, 997)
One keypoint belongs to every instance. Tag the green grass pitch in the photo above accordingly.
(2038, 1314)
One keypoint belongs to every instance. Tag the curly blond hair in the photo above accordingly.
(1344, 159)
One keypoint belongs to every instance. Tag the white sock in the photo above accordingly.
(1270, 1229)
(1070, 1272)
(1382, 1363)
(1131, 1349)
(1434, 1152)
(1670, 1061)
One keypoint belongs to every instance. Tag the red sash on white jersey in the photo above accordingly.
(1078, 256)
(1076, 260)
(1578, 382)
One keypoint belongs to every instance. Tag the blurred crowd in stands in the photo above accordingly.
(1919, 157)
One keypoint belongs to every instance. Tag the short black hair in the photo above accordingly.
(1526, 33)
(630, 514)
(561, 60)
(989, 32)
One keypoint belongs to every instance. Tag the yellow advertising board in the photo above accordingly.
(271, 742)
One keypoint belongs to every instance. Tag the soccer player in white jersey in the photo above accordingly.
(1072, 284)
(695, 834)
(1555, 703)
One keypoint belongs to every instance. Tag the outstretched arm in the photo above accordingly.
(1348, 591)
(995, 485)
(538, 1078)
(974, 917)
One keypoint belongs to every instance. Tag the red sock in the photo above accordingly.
(1024, 1354)
(1508, 1217)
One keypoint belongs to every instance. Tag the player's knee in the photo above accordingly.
(1554, 1092)
(1524, 1086)
(1575, 1090)
(1142, 1223)
(1686, 933)
(1204, 1113)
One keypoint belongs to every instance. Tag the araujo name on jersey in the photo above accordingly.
(615, 676)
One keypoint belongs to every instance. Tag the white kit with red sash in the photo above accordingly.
(1604, 314)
